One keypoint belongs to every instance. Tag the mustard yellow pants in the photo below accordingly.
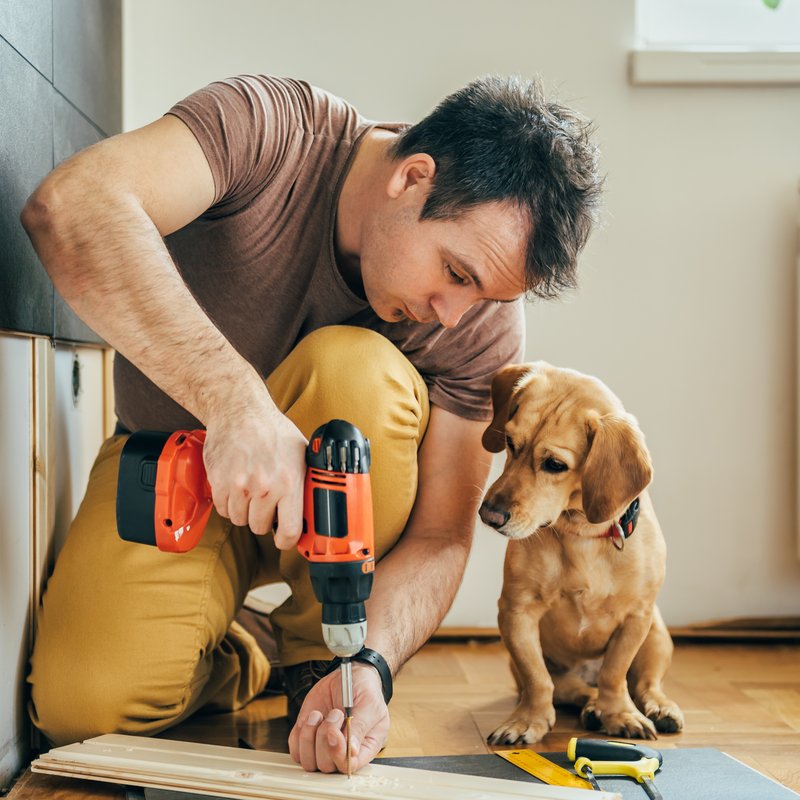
(133, 640)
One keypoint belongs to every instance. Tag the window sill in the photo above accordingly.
(715, 67)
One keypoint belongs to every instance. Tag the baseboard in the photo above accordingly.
(449, 633)
(745, 629)
(742, 629)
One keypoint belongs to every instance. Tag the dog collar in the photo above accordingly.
(622, 530)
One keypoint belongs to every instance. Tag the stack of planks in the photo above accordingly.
(249, 775)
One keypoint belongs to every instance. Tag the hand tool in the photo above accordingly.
(164, 499)
(542, 768)
(600, 757)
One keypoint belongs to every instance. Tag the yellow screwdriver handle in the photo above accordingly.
(640, 770)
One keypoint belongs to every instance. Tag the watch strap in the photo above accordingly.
(367, 656)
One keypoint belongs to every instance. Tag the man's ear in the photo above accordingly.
(617, 467)
(417, 169)
(503, 385)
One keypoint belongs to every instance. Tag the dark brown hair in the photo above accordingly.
(499, 139)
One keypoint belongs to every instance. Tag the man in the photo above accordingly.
(263, 259)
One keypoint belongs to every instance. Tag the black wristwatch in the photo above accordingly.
(373, 657)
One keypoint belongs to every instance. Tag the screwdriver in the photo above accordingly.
(600, 757)
(347, 703)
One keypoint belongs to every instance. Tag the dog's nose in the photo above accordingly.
(494, 517)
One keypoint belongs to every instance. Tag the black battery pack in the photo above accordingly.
(136, 487)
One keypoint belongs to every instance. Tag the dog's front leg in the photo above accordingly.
(613, 710)
(534, 715)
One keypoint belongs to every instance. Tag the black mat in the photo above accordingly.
(701, 774)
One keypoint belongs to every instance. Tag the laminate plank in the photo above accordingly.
(701, 664)
(439, 667)
(448, 730)
(406, 735)
(783, 703)
(484, 667)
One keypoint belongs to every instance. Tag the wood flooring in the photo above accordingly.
(743, 699)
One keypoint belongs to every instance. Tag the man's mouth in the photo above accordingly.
(408, 314)
(425, 320)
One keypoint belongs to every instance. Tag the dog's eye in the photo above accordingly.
(510, 445)
(551, 465)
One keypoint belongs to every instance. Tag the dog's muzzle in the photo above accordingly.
(493, 517)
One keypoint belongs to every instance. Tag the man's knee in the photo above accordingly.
(356, 368)
(346, 342)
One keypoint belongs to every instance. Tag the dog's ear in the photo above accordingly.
(494, 437)
(617, 468)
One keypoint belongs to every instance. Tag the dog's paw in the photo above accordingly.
(522, 728)
(590, 717)
(627, 722)
(630, 724)
(665, 714)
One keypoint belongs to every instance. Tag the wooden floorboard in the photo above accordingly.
(743, 699)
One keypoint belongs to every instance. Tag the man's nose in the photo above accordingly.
(449, 311)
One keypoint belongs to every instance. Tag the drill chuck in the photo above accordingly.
(345, 640)
(342, 588)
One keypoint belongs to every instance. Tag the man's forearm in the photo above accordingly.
(413, 590)
(109, 262)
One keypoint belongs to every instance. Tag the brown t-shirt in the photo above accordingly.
(260, 261)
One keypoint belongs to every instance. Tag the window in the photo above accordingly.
(717, 42)
(716, 24)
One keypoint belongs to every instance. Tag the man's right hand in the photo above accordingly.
(255, 464)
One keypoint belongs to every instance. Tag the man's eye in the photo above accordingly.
(454, 276)
(552, 465)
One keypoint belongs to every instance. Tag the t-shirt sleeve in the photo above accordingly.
(248, 127)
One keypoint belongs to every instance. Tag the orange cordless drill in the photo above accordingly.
(164, 499)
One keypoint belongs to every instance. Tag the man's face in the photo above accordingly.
(434, 270)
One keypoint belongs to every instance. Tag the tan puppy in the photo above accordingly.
(575, 598)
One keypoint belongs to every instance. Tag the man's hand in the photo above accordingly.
(317, 741)
(255, 462)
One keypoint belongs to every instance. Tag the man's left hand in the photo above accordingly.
(317, 741)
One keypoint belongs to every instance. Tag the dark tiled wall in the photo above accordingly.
(60, 91)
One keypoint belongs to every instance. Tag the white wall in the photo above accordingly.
(686, 307)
